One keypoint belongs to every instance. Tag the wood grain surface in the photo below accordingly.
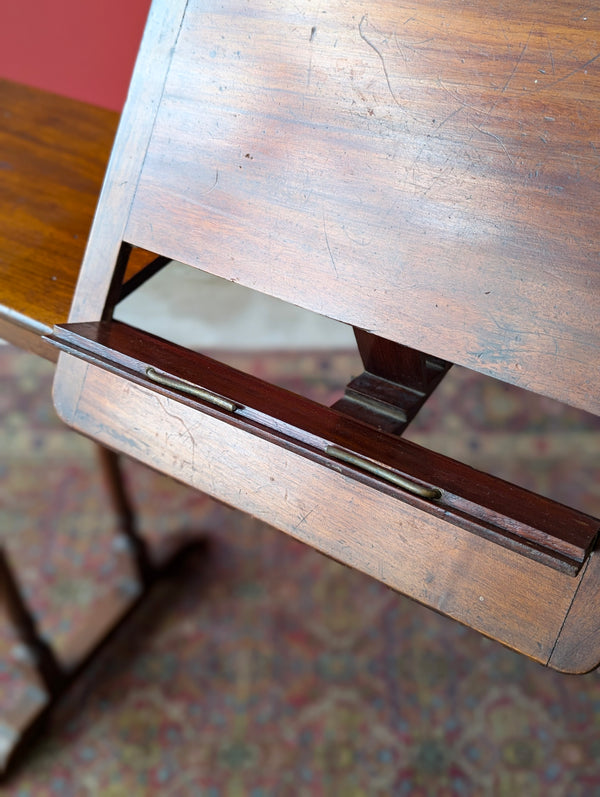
(578, 646)
(425, 172)
(97, 275)
(496, 591)
(53, 155)
(422, 171)
(510, 516)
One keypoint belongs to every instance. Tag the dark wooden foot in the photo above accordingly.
(58, 679)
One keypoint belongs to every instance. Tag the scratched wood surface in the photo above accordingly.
(425, 171)
(535, 526)
(440, 565)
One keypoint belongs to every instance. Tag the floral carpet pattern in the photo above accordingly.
(263, 668)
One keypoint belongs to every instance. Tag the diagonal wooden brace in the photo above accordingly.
(24, 622)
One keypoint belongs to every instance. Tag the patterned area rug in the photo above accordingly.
(264, 668)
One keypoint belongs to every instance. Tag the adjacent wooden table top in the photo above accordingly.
(53, 155)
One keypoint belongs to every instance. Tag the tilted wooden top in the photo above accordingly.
(426, 172)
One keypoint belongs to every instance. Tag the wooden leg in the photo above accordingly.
(56, 678)
(24, 622)
(394, 386)
(111, 467)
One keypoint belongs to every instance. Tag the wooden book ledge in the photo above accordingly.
(426, 176)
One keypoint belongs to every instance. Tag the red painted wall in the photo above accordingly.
(84, 49)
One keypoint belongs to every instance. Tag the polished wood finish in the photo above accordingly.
(425, 174)
(269, 458)
(577, 648)
(53, 155)
(106, 237)
(396, 363)
(495, 590)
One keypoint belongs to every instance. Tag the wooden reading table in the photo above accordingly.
(427, 174)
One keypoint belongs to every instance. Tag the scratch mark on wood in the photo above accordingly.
(328, 246)
(517, 62)
(551, 54)
(447, 119)
(381, 58)
(313, 32)
(570, 75)
(213, 186)
(258, 489)
(496, 138)
(459, 99)
(304, 518)
(402, 53)
(162, 401)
